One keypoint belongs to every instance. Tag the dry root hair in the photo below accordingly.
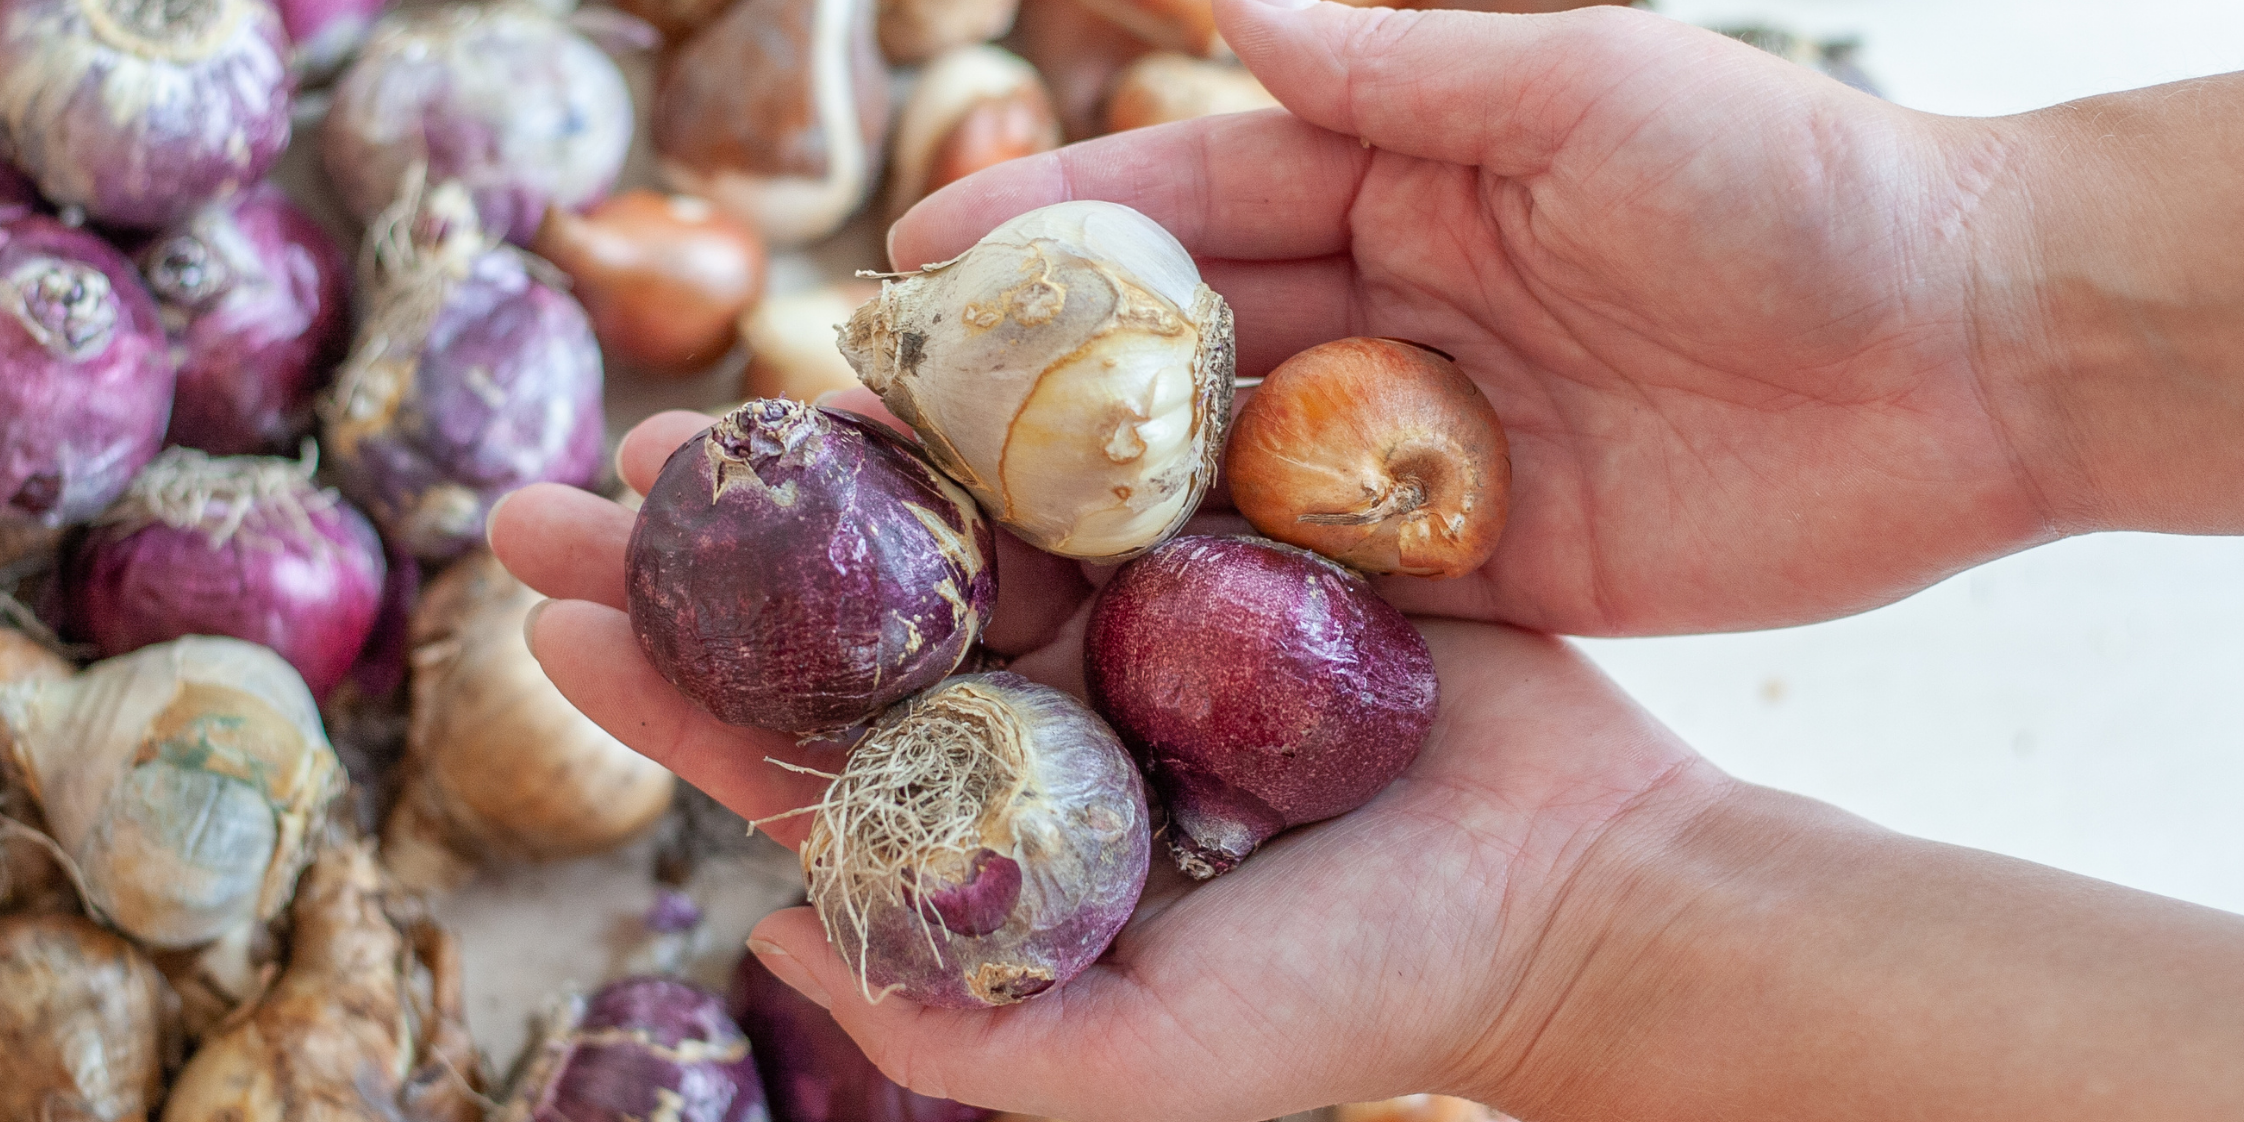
(222, 495)
(916, 791)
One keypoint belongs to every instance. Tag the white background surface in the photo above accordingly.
(2080, 705)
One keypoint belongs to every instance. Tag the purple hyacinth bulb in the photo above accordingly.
(647, 1048)
(85, 374)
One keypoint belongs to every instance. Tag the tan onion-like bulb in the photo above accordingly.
(499, 765)
(367, 1022)
(1070, 370)
(790, 342)
(1172, 25)
(30, 880)
(1164, 87)
(1377, 453)
(1078, 52)
(24, 658)
(917, 30)
(82, 1022)
(972, 108)
(183, 779)
(775, 112)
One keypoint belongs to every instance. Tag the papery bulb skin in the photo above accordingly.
(1070, 370)
(499, 766)
(81, 1022)
(141, 113)
(30, 878)
(776, 113)
(812, 1070)
(471, 377)
(801, 569)
(246, 546)
(1260, 685)
(86, 376)
(914, 31)
(184, 779)
(665, 278)
(984, 844)
(26, 659)
(643, 1048)
(1378, 453)
(256, 299)
(324, 33)
(973, 107)
(366, 1022)
(501, 97)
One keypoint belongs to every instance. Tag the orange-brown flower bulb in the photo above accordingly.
(664, 277)
(1377, 453)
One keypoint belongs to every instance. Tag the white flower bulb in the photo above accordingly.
(1070, 370)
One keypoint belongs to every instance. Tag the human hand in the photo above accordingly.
(1558, 909)
(1356, 959)
(1724, 305)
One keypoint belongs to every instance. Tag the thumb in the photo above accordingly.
(1499, 91)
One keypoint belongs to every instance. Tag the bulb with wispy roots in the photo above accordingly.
(984, 844)
(1070, 370)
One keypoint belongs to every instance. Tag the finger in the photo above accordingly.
(566, 543)
(1016, 1058)
(1036, 593)
(1058, 662)
(639, 458)
(1282, 308)
(1497, 91)
(1253, 186)
(592, 657)
(864, 403)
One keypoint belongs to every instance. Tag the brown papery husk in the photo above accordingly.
(499, 766)
(1377, 453)
(83, 1023)
(24, 658)
(182, 780)
(216, 981)
(365, 1024)
(31, 879)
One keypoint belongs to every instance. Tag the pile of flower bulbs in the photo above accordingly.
(262, 691)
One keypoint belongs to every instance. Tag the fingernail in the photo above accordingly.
(784, 967)
(492, 519)
(530, 623)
